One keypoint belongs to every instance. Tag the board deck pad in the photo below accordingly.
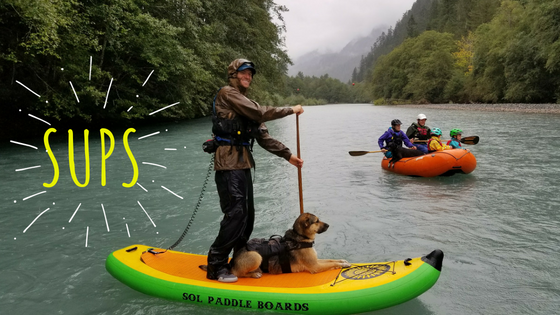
(185, 265)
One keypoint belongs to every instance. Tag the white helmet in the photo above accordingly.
(422, 116)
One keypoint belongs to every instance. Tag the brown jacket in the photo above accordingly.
(230, 102)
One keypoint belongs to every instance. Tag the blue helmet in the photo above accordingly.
(436, 131)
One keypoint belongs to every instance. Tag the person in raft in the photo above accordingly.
(237, 122)
(434, 144)
(393, 136)
(455, 141)
(419, 131)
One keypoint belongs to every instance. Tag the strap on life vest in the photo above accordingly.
(229, 141)
(214, 102)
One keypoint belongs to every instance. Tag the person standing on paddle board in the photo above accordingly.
(420, 131)
(237, 122)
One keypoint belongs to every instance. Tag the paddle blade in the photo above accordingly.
(357, 153)
(470, 140)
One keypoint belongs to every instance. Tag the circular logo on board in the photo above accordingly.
(365, 272)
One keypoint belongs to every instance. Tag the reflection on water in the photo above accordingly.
(497, 226)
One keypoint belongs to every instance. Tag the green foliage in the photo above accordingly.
(503, 52)
(188, 44)
(318, 90)
(417, 70)
(515, 57)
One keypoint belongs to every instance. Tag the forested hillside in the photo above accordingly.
(148, 54)
(468, 51)
(312, 90)
(46, 46)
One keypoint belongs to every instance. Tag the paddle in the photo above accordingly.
(299, 169)
(358, 153)
(466, 140)
(470, 140)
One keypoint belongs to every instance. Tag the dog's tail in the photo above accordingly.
(203, 267)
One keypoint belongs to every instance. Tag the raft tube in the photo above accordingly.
(360, 288)
(440, 163)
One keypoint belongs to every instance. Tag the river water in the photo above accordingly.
(498, 226)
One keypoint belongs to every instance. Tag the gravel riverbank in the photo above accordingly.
(523, 108)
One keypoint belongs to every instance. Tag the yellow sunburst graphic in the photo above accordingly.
(107, 147)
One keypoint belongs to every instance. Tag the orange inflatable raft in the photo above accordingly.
(447, 162)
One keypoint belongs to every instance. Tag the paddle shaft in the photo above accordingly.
(358, 153)
(299, 168)
(465, 140)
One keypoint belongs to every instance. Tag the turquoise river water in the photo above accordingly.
(498, 226)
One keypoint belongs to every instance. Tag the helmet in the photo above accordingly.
(436, 131)
(455, 132)
(395, 122)
(422, 116)
(239, 65)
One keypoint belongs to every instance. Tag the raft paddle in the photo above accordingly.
(358, 153)
(466, 140)
(299, 168)
(470, 140)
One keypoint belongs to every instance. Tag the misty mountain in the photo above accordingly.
(337, 65)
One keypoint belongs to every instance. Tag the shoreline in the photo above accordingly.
(520, 108)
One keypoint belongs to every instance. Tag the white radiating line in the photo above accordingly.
(146, 136)
(170, 149)
(27, 145)
(127, 230)
(171, 192)
(74, 91)
(30, 90)
(106, 223)
(128, 110)
(87, 234)
(27, 168)
(46, 122)
(166, 107)
(146, 213)
(34, 195)
(107, 97)
(148, 77)
(148, 163)
(35, 220)
(137, 183)
(90, 59)
(74, 213)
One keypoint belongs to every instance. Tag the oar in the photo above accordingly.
(299, 169)
(466, 140)
(470, 140)
(358, 153)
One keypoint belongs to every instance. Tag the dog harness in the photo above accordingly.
(275, 251)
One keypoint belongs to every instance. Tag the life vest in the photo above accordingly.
(396, 139)
(238, 131)
(275, 251)
(422, 133)
(430, 141)
(454, 139)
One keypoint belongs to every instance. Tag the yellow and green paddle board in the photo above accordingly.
(362, 287)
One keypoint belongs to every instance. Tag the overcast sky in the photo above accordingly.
(331, 24)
